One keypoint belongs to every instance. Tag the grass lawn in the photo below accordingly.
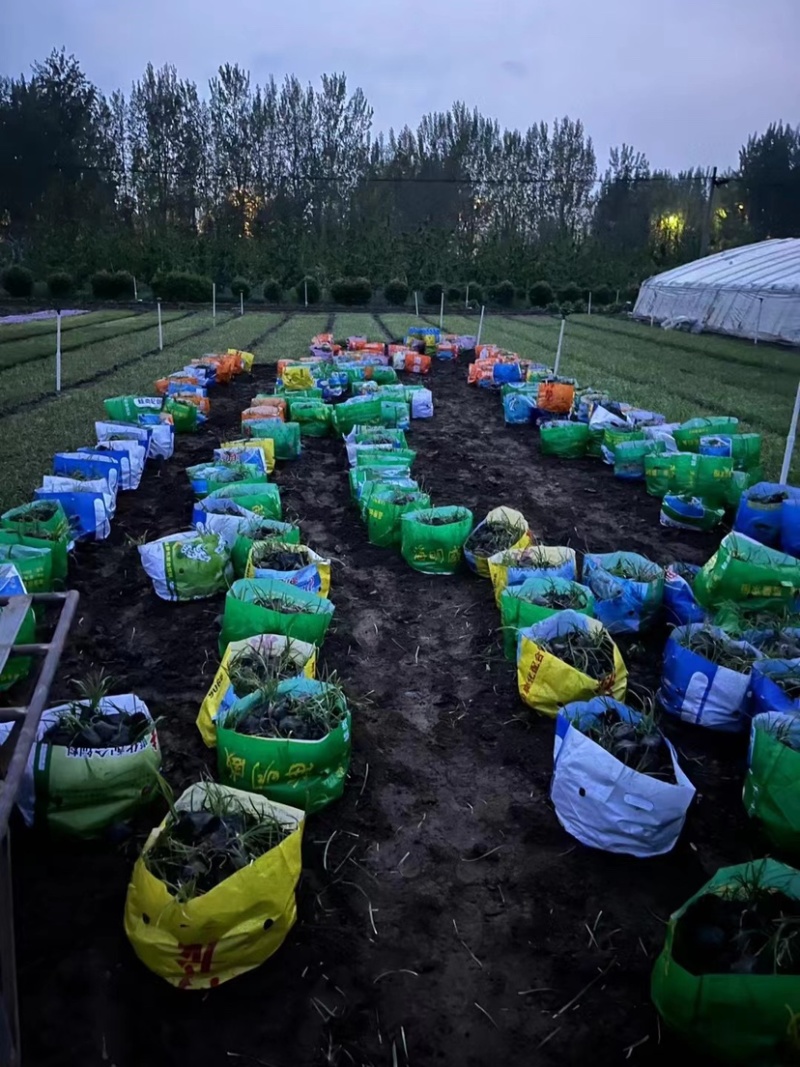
(29, 439)
(15, 352)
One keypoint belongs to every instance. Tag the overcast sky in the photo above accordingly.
(685, 81)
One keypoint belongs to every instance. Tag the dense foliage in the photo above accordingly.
(239, 179)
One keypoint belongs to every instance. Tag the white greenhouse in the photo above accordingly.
(752, 292)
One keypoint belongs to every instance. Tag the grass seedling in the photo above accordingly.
(197, 850)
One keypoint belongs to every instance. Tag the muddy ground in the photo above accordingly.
(489, 919)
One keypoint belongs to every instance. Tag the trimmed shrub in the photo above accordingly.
(602, 295)
(522, 294)
(475, 292)
(181, 285)
(240, 285)
(396, 292)
(314, 290)
(631, 293)
(542, 295)
(553, 308)
(454, 294)
(432, 294)
(17, 281)
(272, 291)
(502, 294)
(112, 286)
(351, 291)
(60, 284)
(569, 293)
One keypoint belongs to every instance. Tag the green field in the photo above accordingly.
(21, 331)
(29, 439)
(678, 374)
(15, 351)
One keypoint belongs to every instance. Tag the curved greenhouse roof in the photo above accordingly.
(746, 292)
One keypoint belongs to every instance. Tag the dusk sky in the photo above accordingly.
(685, 81)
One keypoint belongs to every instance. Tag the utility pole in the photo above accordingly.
(705, 235)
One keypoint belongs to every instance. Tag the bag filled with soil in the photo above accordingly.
(289, 742)
(536, 599)
(432, 539)
(213, 893)
(628, 590)
(296, 564)
(617, 784)
(94, 762)
(265, 606)
(727, 980)
(188, 566)
(501, 530)
(748, 573)
(706, 677)
(565, 658)
(514, 566)
(249, 665)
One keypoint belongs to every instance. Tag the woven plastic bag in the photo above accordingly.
(740, 1018)
(188, 566)
(309, 774)
(477, 558)
(432, 539)
(206, 940)
(546, 683)
(520, 606)
(628, 590)
(605, 803)
(289, 656)
(746, 572)
(265, 606)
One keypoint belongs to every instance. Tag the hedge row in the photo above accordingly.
(194, 288)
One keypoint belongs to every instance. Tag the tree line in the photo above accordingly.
(285, 181)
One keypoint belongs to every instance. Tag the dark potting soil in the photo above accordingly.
(448, 794)
(298, 719)
(718, 935)
(199, 849)
(643, 751)
(280, 559)
(559, 601)
(40, 512)
(491, 537)
(437, 520)
(578, 649)
(88, 729)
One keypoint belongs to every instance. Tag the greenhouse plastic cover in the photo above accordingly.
(755, 288)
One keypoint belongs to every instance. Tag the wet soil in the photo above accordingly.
(450, 915)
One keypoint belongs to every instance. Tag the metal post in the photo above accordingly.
(787, 455)
(560, 345)
(135, 290)
(705, 233)
(160, 330)
(589, 307)
(305, 288)
(758, 320)
(214, 302)
(480, 329)
(416, 302)
(241, 301)
(617, 299)
(58, 351)
(441, 313)
(466, 300)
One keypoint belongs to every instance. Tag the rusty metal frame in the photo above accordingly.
(13, 760)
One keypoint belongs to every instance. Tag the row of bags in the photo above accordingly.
(239, 922)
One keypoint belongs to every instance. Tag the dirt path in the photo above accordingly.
(442, 908)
